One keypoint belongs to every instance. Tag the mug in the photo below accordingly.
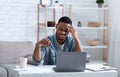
(22, 62)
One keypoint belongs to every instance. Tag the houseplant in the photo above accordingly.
(100, 3)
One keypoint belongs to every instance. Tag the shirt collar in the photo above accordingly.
(56, 42)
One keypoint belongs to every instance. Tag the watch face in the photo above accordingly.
(46, 2)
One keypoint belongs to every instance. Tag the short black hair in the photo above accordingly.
(65, 19)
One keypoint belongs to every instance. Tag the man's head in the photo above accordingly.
(61, 29)
(66, 20)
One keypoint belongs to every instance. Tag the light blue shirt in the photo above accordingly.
(49, 54)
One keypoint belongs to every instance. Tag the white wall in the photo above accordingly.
(114, 30)
(18, 20)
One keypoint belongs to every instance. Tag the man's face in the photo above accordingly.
(62, 31)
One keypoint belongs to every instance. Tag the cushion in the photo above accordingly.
(3, 72)
(11, 51)
(9, 68)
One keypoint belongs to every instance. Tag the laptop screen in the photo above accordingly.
(71, 61)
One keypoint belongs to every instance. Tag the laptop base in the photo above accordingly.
(62, 70)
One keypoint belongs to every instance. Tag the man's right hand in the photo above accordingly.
(44, 42)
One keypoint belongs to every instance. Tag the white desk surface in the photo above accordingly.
(47, 71)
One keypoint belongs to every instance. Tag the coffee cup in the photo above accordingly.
(22, 62)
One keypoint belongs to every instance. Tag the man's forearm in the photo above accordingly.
(37, 53)
(78, 46)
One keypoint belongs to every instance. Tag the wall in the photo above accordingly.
(114, 30)
(18, 20)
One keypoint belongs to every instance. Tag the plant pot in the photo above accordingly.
(100, 5)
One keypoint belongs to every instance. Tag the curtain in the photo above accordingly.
(114, 34)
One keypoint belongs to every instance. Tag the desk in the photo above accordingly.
(47, 71)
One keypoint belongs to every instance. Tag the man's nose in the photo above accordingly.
(63, 32)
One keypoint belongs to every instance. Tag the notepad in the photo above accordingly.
(100, 68)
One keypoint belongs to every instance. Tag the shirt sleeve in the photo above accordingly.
(72, 45)
(34, 62)
(69, 45)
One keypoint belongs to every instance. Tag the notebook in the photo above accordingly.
(100, 67)
(70, 62)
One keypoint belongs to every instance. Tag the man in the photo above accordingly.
(46, 49)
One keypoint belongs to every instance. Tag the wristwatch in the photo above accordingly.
(46, 2)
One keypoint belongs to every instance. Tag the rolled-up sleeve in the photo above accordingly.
(34, 62)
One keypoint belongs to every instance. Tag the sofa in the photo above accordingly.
(9, 54)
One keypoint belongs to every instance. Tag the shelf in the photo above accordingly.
(91, 27)
(47, 27)
(56, 7)
(40, 6)
(59, 7)
(94, 46)
(90, 8)
(80, 27)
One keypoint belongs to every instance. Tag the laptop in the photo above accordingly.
(70, 62)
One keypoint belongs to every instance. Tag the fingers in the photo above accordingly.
(70, 28)
(44, 42)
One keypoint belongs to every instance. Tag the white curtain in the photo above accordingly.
(114, 34)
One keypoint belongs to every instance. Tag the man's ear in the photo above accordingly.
(56, 25)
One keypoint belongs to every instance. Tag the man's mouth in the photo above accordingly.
(62, 36)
